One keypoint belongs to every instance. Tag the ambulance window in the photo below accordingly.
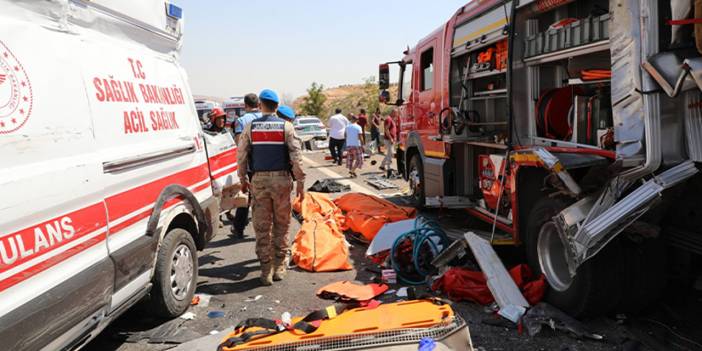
(427, 61)
(406, 83)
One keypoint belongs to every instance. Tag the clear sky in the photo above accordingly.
(233, 47)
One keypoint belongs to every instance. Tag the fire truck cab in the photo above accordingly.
(571, 128)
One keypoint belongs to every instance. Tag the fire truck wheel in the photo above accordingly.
(594, 290)
(416, 180)
(175, 277)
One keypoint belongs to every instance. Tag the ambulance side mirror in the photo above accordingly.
(384, 76)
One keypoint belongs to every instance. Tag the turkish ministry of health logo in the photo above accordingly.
(15, 92)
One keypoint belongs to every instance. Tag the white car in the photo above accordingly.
(310, 127)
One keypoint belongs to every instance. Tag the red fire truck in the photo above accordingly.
(572, 128)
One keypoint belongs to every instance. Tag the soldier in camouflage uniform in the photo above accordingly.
(268, 148)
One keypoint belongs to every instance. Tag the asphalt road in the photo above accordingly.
(229, 274)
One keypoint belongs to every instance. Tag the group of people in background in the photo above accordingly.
(350, 134)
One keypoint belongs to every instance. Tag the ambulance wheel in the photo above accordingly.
(595, 288)
(415, 175)
(175, 278)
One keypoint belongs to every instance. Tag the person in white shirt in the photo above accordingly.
(337, 134)
(354, 148)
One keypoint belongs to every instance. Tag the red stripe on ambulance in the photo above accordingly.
(26, 244)
(40, 239)
(125, 203)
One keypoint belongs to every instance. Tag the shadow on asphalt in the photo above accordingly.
(236, 272)
(229, 288)
(228, 242)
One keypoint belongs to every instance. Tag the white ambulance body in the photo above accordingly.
(107, 189)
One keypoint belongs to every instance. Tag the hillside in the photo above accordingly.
(351, 98)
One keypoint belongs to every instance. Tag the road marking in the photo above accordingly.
(331, 174)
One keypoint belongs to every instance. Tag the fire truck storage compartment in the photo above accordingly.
(479, 91)
(568, 70)
(569, 26)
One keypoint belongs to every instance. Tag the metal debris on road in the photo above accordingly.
(545, 314)
(512, 312)
(255, 298)
(381, 183)
(187, 316)
(503, 288)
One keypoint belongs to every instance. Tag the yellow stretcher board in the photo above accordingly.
(388, 327)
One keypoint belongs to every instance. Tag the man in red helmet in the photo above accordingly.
(217, 121)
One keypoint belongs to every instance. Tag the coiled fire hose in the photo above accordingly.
(412, 252)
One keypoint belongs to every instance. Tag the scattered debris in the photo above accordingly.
(329, 186)
(402, 292)
(187, 316)
(389, 276)
(195, 300)
(277, 301)
(381, 183)
(243, 309)
(171, 332)
(255, 298)
(202, 300)
(545, 314)
(457, 249)
(215, 314)
(503, 288)
(348, 291)
(389, 233)
(214, 332)
(512, 312)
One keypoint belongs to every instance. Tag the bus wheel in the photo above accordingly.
(416, 180)
(595, 289)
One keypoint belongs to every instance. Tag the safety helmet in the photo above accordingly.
(216, 113)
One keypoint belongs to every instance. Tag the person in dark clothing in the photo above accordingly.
(363, 122)
(241, 218)
(375, 122)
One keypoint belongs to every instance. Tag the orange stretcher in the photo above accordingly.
(366, 329)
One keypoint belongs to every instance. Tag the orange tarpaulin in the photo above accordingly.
(320, 245)
(366, 214)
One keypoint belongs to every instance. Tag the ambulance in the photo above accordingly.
(109, 185)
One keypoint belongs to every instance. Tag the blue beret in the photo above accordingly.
(286, 112)
(270, 95)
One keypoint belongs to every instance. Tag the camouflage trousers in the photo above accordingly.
(272, 211)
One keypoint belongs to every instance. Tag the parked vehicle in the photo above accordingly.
(310, 127)
(204, 107)
(234, 107)
(108, 187)
(527, 115)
